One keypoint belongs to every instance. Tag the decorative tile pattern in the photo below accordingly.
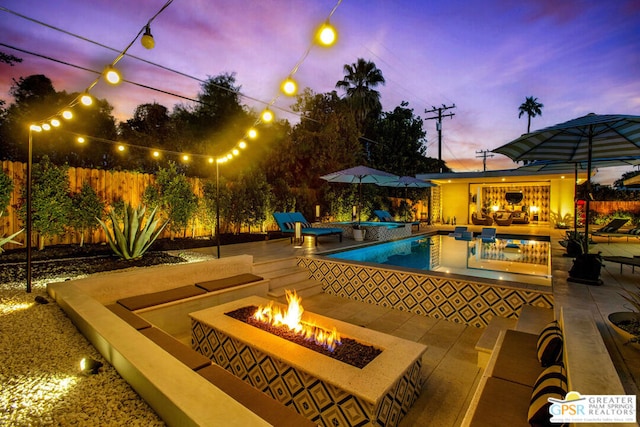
(325, 404)
(461, 301)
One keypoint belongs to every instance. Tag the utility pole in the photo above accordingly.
(438, 119)
(484, 154)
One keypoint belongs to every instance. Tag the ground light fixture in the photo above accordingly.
(88, 366)
(112, 75)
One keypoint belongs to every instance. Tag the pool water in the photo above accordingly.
(520, 260)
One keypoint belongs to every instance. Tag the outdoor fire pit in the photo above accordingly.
(323, 389)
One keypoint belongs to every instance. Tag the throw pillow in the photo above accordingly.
(552, 382)
(550, 344)
(289, 225)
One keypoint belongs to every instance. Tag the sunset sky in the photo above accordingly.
(484, 56)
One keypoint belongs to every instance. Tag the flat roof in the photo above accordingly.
(505, 175)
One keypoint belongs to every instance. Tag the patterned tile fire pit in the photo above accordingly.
(325, 390)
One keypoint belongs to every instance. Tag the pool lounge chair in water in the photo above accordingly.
(488, 235)
(384, 216)
(457, 231)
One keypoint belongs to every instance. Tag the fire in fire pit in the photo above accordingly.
(288, 324)
(292, 318)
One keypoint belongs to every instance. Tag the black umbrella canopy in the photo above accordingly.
(588, 138)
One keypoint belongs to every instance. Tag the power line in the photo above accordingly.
(438, 119)
(484, 154)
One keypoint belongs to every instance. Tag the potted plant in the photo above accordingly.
(627, 323)
(358, 232)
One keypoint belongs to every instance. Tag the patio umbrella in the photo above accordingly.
(360, 175)
(561, 166)
(585, 139)
(407, 182)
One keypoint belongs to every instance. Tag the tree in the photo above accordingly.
(619, 183)
(173, 194)
(256, 198)
(9, 59)
(532, 108)
(50, 201)
(86, 210)
(359, 83)
(6, 188)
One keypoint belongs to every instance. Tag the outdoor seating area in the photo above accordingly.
(479, 219)
(287, 223)
(612, 230)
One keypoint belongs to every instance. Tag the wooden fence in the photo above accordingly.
(111, 186)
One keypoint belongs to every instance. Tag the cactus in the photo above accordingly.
(134, 239)
(5, 240)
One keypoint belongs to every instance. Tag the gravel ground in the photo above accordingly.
(40, 351)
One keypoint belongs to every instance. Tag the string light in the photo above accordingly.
(325, 35)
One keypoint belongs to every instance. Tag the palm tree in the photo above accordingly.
(531, 107)
(359, 80)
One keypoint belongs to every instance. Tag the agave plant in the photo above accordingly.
(135, 238)
(5, 240)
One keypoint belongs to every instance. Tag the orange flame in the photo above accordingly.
(291, 317)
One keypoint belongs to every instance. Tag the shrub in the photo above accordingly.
(87, 209)
(6, 188)
(134, 239)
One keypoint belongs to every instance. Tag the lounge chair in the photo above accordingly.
(287, 223)
(481, 220)
(503, 218)
(384, 216)
(457, 232)
(488, 235)
(611, 229)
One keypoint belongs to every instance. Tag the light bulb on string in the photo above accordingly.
(80, 140)
(46, 126)
(229, 156)
(55, 123)
(112, 75)
(35, 128)
(67, 114)
(267, 116)
(235, 151)
(121, 148)
(156, 154)
(289, 86)
(326, 35)
(185, 157)
(242, 144)
(86, 99)
(147, 38)
(210, 160)
(252, 133)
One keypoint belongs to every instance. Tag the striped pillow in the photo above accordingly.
(552, 382)
(289, 225)
(550, 344)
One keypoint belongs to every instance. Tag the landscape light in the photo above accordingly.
(112, 75)
(327, 35)
(90, 366)
(289, 86)
(147, 39)
(86, 99)
(66, 114)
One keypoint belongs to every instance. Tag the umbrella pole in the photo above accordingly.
(359, 199)
(586, 205)
(575, 201)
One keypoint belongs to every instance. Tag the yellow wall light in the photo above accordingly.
(112, 75)
(289, 86)
(326, 35)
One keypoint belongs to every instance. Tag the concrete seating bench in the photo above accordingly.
(532, 320)
(258, 402)
(129, 316)
(228, 282)
(506, 392)
(156, 298)
(184, 354)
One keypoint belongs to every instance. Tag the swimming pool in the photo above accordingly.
(521, 259)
